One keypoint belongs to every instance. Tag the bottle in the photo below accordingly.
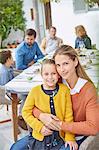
(81, 45)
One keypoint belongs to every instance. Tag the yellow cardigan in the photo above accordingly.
(63, 109)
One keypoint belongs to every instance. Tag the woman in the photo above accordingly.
(83, 94)
(82, 39)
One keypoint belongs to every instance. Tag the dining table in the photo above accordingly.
(31, 77)
(90, 61)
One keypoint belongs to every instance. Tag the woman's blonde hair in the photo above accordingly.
(68, 50)
(80, 28)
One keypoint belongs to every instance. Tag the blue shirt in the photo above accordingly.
(85, 41)
(6, 74)
(25, 54)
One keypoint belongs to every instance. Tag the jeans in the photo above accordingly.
(22, 144)
(64, 148)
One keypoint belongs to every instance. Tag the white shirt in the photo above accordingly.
(80, 83)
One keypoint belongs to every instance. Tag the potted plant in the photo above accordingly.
(11, 16)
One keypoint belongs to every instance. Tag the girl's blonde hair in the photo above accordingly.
(68, 50)
(47, 61)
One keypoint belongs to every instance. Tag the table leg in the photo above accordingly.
(14, 115)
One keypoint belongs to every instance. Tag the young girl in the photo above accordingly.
(6, 69)
(82, 39)
(50, 97)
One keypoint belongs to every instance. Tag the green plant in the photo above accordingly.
(92, 2)
(11, 16)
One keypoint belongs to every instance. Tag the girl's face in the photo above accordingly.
(65, 66)
(50, 76)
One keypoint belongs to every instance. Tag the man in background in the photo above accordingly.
(51, 43)
(28, 52)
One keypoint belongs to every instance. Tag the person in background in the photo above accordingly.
(6, 67)
(82, 39)
(83, 96)
(51, 43)
(49, 97)
(28, 52)
(6, 75)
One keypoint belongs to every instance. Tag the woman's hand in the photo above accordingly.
(45, 131)
(50, 121)
(73, 145)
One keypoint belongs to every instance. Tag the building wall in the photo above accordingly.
(38, 23)
(27, 5)
(64, 19)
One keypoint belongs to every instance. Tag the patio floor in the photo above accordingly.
(6, 130)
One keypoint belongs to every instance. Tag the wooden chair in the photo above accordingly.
(4, 101)
(16, 71)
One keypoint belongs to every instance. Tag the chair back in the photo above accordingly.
(3, 98)
(4, 101)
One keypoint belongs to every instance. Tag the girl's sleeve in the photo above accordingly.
(27, 113)
(69, 116)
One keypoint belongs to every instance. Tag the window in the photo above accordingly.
(80, 6)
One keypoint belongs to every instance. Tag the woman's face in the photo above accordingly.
(65, 66)
(81, 33)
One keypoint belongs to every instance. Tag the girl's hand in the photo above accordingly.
(73, 145)
(50, 121)
(45, 131)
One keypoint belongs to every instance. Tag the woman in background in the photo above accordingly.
(82, 39)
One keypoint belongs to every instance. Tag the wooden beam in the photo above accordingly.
(48, 18)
